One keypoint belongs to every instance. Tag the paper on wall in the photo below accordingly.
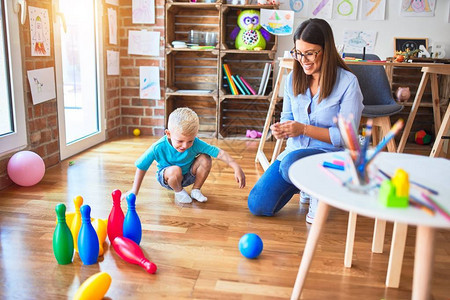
(112, 62)
(371, 10)
(345, 10)
(300, 7)
(39, 31)
(42, 84)
(277, 22)
(143, 11)
(149, 87)
(424, 8)
(320, 8)
(356, 40)
(143, 42)
(112, 24)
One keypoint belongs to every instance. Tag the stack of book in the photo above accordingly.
(239, 86)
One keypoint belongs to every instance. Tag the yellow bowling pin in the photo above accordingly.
(100, 227)
(76, 222)
(401, 182)
(94, 288)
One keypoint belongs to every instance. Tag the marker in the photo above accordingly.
(327, 164)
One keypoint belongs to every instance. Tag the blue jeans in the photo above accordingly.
(274, 189)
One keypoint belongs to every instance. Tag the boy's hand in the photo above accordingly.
(124, 195)
(239, 176)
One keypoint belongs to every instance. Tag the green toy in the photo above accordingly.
(249, 34)
(395, 192)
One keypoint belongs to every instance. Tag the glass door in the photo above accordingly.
(78, 60)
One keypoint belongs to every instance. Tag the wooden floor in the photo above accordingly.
(195, 246)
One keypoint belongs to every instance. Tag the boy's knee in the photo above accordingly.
(205, 160)
(173, 171)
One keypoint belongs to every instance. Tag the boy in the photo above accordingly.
(183, 159)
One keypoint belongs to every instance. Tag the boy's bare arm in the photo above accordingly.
(138, 177)
(238, 172)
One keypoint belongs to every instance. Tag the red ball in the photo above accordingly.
(422, 138)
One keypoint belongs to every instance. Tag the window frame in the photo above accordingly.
(16, 140)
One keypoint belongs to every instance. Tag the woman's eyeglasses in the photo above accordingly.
(309, 56)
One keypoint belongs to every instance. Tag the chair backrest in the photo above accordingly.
(373, 81)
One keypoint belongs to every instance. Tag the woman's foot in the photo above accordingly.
(312, 210)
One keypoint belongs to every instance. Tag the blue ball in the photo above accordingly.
(250, 245)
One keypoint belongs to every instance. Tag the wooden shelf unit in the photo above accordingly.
(194, 78)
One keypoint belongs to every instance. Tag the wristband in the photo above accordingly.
(305, 129)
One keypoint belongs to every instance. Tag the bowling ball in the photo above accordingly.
(136, 132)
(250, 245)
(26, 168)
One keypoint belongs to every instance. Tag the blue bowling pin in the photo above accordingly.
(132, 228)
(88, 246)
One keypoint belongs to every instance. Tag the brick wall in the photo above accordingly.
(42, 119)
(145, 114)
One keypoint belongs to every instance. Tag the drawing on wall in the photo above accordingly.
(143, 11)
(277, 22)
(417, 8)
(112, 62)
(112, 2)
(321, 9)
(39, 31)
(355, 41)
(149, 87)
(299, 7)
(143, 42)
(42, 84)
(112, 24)
(345, 9)
(373, 9)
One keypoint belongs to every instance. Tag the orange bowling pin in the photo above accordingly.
(94, 288)
(100, 229)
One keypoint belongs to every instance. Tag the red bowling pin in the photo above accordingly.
(116, 217)
(129, 251)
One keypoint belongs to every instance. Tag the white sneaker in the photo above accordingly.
(304, 198)
(312, 210)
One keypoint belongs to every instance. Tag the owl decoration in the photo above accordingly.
(249, 34)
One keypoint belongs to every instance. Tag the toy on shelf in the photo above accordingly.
(395, 192)
(403, 94)
(422, 137)
(249, 34)
(253, 134)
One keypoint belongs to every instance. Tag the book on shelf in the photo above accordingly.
(227, 72)
(225, 85)
(249, 88)
(263, 78)
(269, 70)
(238, 78)
(240, 85)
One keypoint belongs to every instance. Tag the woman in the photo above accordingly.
(319, 88)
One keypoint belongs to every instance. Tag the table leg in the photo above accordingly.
(396, 255)
(310, 247)
(423, 263)
(378, 236)
(350, 239)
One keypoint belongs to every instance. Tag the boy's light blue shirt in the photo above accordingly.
(345, 99)
(166, 155)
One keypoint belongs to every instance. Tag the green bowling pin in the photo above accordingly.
(62, 237)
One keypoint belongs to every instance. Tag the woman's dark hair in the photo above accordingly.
(318, 32)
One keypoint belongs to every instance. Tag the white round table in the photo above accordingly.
(308, 176)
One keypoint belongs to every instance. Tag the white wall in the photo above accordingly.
(436, 29)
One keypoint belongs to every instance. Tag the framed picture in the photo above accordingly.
(401, 44)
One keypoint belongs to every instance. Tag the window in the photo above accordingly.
(12, 112)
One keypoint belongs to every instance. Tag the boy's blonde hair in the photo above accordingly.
(184, 120)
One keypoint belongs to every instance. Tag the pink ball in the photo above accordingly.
(26, 168)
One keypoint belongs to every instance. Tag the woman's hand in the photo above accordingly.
(291, 129)
(276, 131)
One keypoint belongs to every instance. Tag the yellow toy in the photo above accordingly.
(94, 288)
(136, 132)
(395, 192)
(76, 222)
(100, 226)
